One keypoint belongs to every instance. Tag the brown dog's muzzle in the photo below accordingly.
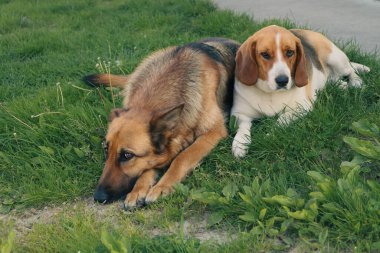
(113, 186)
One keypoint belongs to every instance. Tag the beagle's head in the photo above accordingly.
(272, 59)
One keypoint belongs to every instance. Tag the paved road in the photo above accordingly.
(341, 19)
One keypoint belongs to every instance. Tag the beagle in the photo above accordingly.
(280, 71)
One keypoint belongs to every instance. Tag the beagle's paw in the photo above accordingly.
(239, 148)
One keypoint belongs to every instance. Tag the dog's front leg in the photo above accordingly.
(186, 161)
(243, 136)
(137, 196)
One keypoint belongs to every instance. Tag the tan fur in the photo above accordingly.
(174, 109)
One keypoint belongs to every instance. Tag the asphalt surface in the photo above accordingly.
(341, 20)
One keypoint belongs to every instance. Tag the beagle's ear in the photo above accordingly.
(115, 113)
(301, 77)
(247, 71)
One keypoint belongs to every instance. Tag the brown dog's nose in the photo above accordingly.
(101, 195)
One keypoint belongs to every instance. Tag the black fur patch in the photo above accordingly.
(229, 98)
(91, 80)
(210, 51)
(309, 51)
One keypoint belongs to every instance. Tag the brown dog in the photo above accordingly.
(174, 108)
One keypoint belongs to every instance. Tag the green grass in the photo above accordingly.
(51, 128)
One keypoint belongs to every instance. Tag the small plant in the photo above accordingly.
(114, 242)
(342, 211)
(7, 245)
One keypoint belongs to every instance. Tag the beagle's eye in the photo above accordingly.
(289, 53)
(265, 55)
(125, 156)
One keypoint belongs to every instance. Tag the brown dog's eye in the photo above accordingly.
(125, 156)
(289, 53)
(265, 55)
(105, 145)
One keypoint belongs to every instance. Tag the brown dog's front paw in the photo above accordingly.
(156, 192)
(134, 199)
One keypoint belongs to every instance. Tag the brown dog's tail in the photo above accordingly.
(106, 80)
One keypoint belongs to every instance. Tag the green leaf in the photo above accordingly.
(215, 218)
(8, 245)
(278, 199)
(285, 225)
(245, 198)
(327, 188)
(273, 232)
(247, 190)
(256, 186)
(266, 186)
(47, 150)
(248, 217)
(365, 148)
(291, 193)
(229, 191)
(8, 202)
(205, 197)
(343, 185)
(67, 149)
(318, 177)
(262, 213)
(323, 236)
(107, 240)
(269, 223)
(374, 185)
(317, 195)
(115, 244)
(79, 152)
(302, 214)
(283, 200)
(256, 230)
(366, 128)
(331, 207)
(312, 205)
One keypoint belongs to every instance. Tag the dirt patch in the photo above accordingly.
(192, 227)
(197, 227)
(24, 222)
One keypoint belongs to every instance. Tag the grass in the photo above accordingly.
(51, 128)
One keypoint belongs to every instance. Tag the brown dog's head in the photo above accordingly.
(273, 59)
(137, 140)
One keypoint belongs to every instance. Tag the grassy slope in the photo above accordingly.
(47, 46)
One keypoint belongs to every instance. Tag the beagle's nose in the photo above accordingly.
(282, 81)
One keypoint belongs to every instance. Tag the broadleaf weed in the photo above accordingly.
(338, 211)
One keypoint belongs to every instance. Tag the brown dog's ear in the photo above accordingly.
(247, 71)
(301, 77)
(115, 113)
(161, 124)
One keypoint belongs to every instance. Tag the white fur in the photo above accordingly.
(263, 98)
(279, 68)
